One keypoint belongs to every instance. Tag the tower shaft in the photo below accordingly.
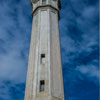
(44, 76)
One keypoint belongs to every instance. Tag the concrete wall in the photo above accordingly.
(45, 40)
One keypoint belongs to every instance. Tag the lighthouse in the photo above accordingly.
(44, 75)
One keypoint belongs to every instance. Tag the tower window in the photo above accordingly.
(43, 2)
(42, 58)
(42, 86)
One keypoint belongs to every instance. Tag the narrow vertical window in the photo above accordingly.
(43, 2)
(42, 86)
(42, 58)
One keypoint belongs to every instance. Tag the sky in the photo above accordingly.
(79, 33)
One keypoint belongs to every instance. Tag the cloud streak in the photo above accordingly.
(15, 31)
(79, 28)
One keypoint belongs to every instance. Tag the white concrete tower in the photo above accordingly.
(44, 76)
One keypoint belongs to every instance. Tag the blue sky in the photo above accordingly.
(79, 31)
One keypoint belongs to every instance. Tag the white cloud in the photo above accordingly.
(15, 30)
(89, 71)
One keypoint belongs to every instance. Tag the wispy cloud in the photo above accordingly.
(15, 28)
(79, 28)
(10, 90)
(15, 31)
(90, 71)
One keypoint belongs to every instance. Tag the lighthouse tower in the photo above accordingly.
(44, 76)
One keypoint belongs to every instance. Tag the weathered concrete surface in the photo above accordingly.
(45, 40)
